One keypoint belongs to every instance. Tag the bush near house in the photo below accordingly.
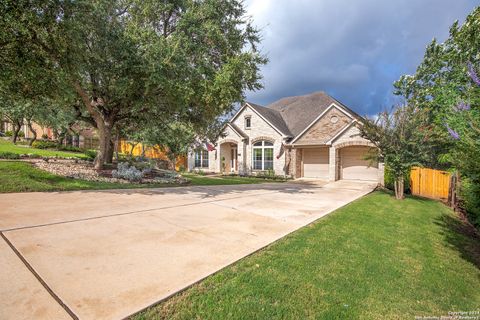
(41, 144)
(390, 180)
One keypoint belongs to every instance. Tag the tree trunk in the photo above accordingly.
(60, 137)
(173, 161)
(110, 150)
(105, 138)
(16, 130)
(34, 132)
(104, 122)
(132, 147)
(399, 186)
(117, 141)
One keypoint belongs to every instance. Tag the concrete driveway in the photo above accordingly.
(108, 254)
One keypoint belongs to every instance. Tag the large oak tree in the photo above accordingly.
(121, 62)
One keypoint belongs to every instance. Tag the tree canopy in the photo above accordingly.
(127, 61)
(446, 86)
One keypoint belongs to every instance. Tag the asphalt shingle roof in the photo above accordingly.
(292, 115)
(273, 116)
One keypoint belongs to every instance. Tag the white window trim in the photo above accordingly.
(245, 123)
(201, 159)
(262, 147)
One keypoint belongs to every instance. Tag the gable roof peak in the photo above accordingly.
(298, 112)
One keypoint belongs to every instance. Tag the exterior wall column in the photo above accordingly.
(218, 168)
(241, 150)
(292, 156)
(298, 163)
(332, 164)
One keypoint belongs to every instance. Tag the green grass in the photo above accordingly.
(377, 258)
(7, 146)
(17, 176)
(200, 180)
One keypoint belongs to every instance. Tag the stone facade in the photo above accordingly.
(330, 124)
(259, 130)
(334, 129)
(350, 137)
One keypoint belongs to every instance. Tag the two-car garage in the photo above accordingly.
(351, 163)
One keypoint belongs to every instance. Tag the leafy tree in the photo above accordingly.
(182, 59)
(401, 140)
(174, 139)
(13, 112)
(447, 87)
(443, 87)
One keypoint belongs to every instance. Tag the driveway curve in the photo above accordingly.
(108, 254)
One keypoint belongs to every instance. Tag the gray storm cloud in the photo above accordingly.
(353, 50)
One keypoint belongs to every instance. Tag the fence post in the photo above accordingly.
(452, 192)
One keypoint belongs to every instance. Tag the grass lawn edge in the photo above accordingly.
(280, 238)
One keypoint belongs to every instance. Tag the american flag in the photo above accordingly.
(209, 146)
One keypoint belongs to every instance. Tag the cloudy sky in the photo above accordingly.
(351, 49)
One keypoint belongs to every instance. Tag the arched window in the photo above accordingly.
(262, 155)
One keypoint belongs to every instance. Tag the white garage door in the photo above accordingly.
(315, 163)
(354, 166)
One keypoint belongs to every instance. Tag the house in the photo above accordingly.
(310, 136)
(78, 136)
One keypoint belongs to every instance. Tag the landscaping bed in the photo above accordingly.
(80, 169)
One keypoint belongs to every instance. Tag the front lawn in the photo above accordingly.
(8, 146)
(376, 258)
(17, 176)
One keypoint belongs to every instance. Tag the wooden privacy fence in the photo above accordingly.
(149, 152)
(430, 183)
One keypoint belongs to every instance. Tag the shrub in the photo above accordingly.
(269, 174)
(200, 172)
(8, 133)
(44, 144)
(45, 136)
(91, 154)
(9, 155)
(469, 193)
(33, 155)
(143, 164)
(21, 134)
(70, 148)
(389, 180)
(127, 172)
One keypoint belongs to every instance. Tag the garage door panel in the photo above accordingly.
(315, 163)
(354, 166)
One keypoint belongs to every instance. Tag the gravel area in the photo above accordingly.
(80, 169)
